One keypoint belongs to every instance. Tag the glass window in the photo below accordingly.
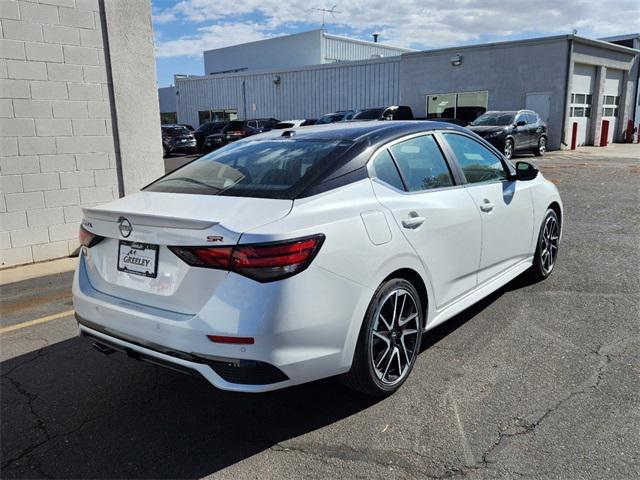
(441, 106)
(273, 168)
(521, 117)
(477, 162)
(386, 170)
(422, 164)
(532, 118)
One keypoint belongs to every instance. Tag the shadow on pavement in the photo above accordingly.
(68, 412)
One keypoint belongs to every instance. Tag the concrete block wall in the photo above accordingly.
(58, 149)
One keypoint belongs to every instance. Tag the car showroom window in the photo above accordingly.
(422, 164)
(385, 170)
(478, 163)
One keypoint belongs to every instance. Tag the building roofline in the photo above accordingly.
(276, 71)
(366, 42)
(317, 30)
(625, 36)
(527, 41)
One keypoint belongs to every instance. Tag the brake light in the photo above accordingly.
(264, 262)
(232, 340)
(88, 239)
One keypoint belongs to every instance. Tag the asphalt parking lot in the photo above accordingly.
(537, 381)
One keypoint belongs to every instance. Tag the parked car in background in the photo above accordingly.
(339, 116)
(276, 260)
(393, 112)
(177, 139)
(237, 129)
(512, 131)
(187, 126)
(294, 123)
(206, 129)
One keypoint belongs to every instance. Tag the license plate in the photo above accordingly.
(138, 258)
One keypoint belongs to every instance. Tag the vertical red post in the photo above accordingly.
(604, 133)
(574, 135)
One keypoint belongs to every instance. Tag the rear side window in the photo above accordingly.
(478, 163)
(385, 170)
(274, 168)
(422, 164)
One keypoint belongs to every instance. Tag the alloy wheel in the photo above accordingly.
(508, 150)
(549, 242)
(542, 145)
(394, 336)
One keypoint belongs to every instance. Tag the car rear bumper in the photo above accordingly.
(298, 337)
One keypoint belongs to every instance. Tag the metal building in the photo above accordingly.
(315, 47)
(567, 79)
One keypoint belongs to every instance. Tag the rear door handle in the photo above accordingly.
(413, 222)
(487, 206)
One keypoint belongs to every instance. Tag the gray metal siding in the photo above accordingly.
(302, 93)
(345, 50)
(167, 99)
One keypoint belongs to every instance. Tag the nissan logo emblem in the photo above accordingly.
(125, 227)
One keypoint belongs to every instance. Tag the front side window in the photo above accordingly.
(521, 117)
(478, 163)
(262, 168)
(422, 164)
(532, 118)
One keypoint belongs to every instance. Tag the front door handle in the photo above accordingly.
(413, 222)
(487, 206)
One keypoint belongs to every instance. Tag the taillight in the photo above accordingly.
(264, 262)
(88, 239)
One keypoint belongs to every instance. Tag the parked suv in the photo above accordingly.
(177, 138)
(512, 131)
(237, 129)
(206, 129)
(393, 112)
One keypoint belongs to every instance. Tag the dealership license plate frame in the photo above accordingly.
(139, 246)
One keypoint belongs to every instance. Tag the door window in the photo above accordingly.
(521, 117)
(385, 170)
(478, 163)
(422, 164)
(532, 118)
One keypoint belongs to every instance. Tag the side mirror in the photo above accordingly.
(525, 171)
(520, 123)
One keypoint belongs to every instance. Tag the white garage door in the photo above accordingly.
(582, 86)
(611, 100)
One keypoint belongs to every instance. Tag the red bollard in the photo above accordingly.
(604, 133)
(629, 138)
(574, 135)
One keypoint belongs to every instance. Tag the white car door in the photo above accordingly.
(433, 210)
(505, 205)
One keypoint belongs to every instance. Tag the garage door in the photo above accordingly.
(611, 100)
(581, 99)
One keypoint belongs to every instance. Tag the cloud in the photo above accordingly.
(413, 23)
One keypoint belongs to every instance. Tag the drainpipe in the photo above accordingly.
(568, 82)
(244, 100)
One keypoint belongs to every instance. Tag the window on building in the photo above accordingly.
(611, 104)
(226, 115)
(465, 106)
(580, 105)
(168, 117)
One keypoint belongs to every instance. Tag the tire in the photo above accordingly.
(509, 149)
(542, 147)
(383, 360)
(543, 265)
(165, 152)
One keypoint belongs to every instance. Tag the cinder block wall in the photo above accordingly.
(57, 150)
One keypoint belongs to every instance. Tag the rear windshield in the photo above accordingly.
(232, 126)
(175, 130)
(273, 168)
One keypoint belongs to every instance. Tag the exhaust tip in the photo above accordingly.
(103, 349)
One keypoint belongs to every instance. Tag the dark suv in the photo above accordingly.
(206, 129)
(177, 138)
(237, 129)
(512, 131)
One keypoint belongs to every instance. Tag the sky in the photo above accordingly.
(183, 29)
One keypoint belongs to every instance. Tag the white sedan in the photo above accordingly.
(306, 253)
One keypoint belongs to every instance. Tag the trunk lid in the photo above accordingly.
(170, 219)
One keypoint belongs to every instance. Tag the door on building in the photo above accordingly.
(611, 101)
(583, 83)
(540, 103)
